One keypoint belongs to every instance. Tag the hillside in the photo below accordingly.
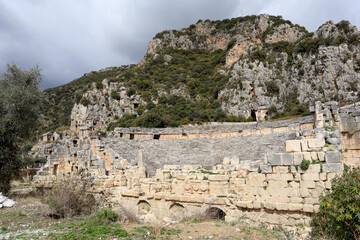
(240, 69)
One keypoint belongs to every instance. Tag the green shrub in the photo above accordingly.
(107, 215)
(258, 55)
(339, 214)
(85, 101)
(115, 95)
(304, 165)
(99, 85)
(231, 43)
(272, 88)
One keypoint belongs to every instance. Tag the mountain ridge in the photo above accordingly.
(223, 71)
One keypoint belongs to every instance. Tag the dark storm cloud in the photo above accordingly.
(69, 38)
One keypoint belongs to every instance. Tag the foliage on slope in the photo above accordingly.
(182, 85)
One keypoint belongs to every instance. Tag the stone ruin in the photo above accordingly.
(246, 171)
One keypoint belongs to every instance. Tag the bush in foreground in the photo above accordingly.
(339, 215)
(68, 200)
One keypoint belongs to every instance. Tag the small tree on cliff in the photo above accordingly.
(20, 98)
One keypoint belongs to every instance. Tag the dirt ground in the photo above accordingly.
(29, 220)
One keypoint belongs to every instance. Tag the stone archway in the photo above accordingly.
(143, 207)
(177, 211)
(215, 213)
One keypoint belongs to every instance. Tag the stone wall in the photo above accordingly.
(258, 175)
(349, 116)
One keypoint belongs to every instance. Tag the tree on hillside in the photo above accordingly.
(20, 98)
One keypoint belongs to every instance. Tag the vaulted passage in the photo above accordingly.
(215, 213)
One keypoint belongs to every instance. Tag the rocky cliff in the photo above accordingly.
(246, 68)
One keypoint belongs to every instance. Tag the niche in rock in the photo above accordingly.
(253, 115)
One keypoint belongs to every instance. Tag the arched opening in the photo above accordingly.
(132, 136)
(157, 136)
(177, 211)
(143, 207)
(215, 213)
(253, 115)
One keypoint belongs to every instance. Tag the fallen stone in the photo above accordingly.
(9, 203)
(2, 198)
(333, 140)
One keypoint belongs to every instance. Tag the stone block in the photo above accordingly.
(274, 159)
(297, 158)
(307, 184)
(304, 145)
(257, 205)
(331, 167)
(294, 184)
(226, 161)
(242, 204)
(332, 157)
(292, 146)
(314, 168)
(287, 159)
(235, 160)
(314, 156)
(311, 200)
(321, 156)
(278, 188)
(316, 143)
(218, 188)
(333, 140)
(256, 180)
(308, 208)
(280, 169)
(215, 177)
(265, 168)
(269, 205)
(322, 176)
(296, 199)
(310, 177)
(281, 206)
(316, 208)
(306, 156)
(295, 207)
(328, 185)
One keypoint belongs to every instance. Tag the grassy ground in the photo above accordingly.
(29, 220)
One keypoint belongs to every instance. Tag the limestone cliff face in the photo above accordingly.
(101, 105)
(253, 64)
(314, 66)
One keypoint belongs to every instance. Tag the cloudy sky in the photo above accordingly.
(68, 38)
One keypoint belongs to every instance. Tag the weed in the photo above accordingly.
(305, 164)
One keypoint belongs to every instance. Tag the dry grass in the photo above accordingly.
(68, 200)
(126, 215)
